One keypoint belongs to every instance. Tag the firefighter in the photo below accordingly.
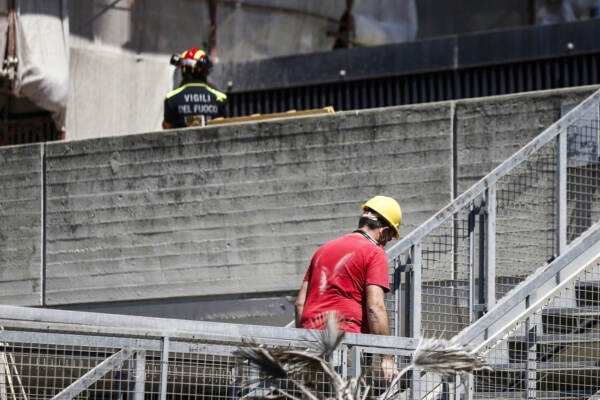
(194, 102)
(349, 276)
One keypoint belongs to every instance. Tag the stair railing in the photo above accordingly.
(452, 268)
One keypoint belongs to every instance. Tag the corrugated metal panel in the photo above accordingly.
(463, 83)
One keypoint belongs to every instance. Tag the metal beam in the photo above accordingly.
(92, 376)
(148, 327)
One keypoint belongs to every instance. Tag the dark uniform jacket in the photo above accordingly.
(190, 103)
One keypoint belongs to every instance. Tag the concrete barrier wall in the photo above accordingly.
(237, 210)
(20, 225)
(231, 209)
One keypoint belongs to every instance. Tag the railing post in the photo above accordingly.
(472, 287)
(356, 370)
(531, 355)
(3, 375)
(490, 247)
(164, 368)
(415, 312)
(397, 292)
(344, 366)
(561, 195)
(140, 374)
(415, 283)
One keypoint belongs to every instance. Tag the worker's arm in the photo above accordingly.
(376, 314)
(378, 325)
(300, 300)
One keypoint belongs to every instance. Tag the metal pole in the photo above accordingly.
(415, 326)
(397, 290)
(415, 311)
(561, 195)
(140, 374)
(3, 376)
(355, 371)
(471, 263)
(531, 363)
(344, 355)
(164, 368)
(113, 362)
(490, 243)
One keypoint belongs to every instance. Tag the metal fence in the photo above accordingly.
(455, 266)
(62, 354)
(542, 341)
(553, 352)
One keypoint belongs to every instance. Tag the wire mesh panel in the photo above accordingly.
(39, 371)
(554, 352)
(445, 278)
(583, 174)
(526, 217)
(212, 372)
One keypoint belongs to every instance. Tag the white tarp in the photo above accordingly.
(43, 55)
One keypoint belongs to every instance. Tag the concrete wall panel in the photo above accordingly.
(230, 209)
(20, 225)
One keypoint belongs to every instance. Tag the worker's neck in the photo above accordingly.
(192, 80)
(374, 233)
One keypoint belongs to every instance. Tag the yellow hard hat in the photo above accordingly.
(389, 209)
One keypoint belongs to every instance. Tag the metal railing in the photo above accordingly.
(455, 266)
(64, 355)
(543, 340)
(59, 354)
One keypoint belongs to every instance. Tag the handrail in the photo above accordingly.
(129, 325)
(585, 250)
(490, 179)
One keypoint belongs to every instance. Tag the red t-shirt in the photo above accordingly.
(338, 276)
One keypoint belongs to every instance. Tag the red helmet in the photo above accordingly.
(194, 59)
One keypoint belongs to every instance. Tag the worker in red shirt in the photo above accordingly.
(349, 275)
